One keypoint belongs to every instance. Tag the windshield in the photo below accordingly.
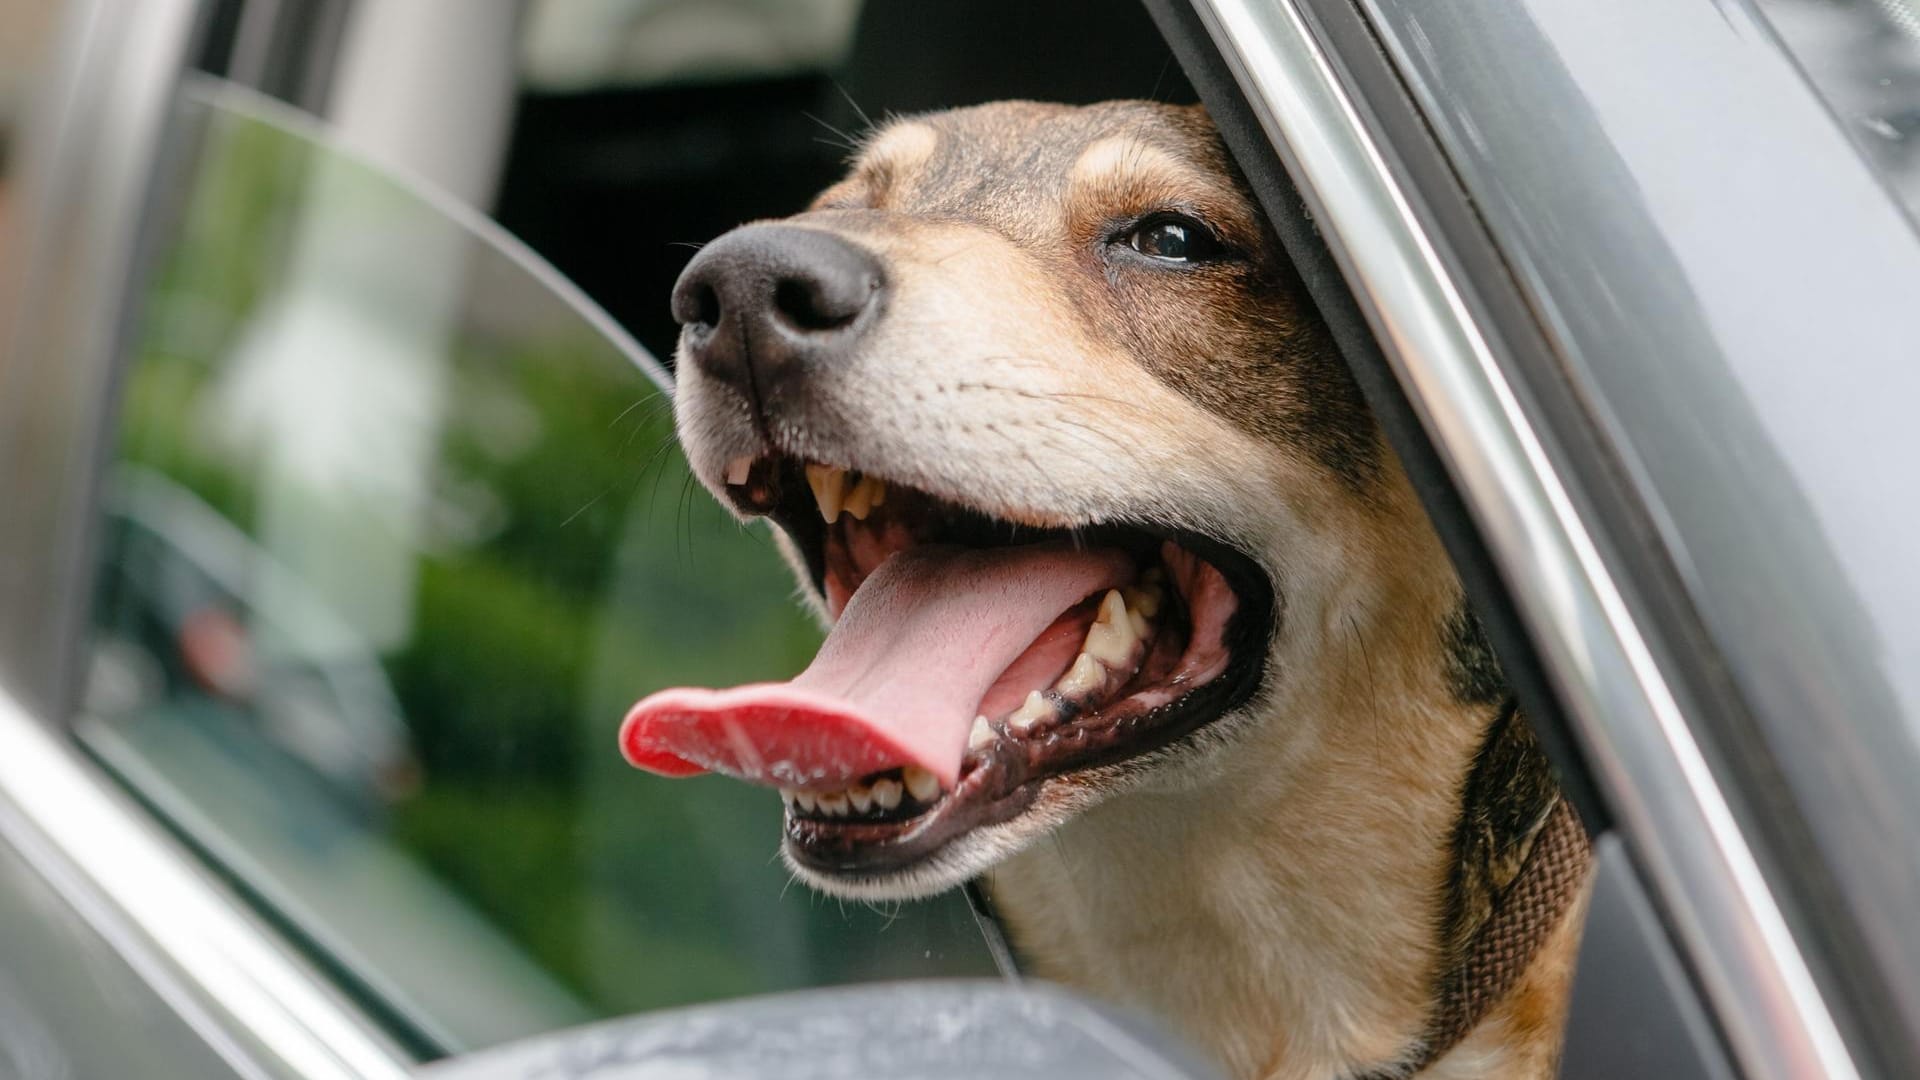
(396, 530)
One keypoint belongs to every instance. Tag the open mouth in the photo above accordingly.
(972, 659)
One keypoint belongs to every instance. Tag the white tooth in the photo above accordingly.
(860, 500)
(886, 792)
(1140, 624)
(738, 468)
(829, 484)
(835, 804)
(921, 783)
(1031, 711)
(1113, 609)
(862, 797)
(804, 800)
(1110, 643)
(1085, 675)
(981, 735)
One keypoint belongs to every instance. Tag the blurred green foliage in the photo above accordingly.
(566, 566)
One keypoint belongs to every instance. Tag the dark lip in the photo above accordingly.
(1005, 785)
(1001, 789)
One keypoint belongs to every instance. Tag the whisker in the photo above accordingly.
(846, 141)
(590, 504)
(1038, 471)
(862, 113)
(623, 412)
(1154, 95)
(1043, 395)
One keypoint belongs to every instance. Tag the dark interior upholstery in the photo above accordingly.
(616, 186)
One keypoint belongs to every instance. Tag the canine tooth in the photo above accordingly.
(804, 800)
(829, 484)
(921, 784)
(1113, 609)
(1086, 674)
(738, 468)
(886, 792)
(861, 796)
(981, 735)
(859, 501)
(786, 795)
(1110, 642)
(1031, 711)
(835, 804)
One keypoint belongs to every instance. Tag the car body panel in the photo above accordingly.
(1730, 287)
(71, 1004)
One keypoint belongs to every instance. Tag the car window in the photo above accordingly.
(1863, 56)
(395, 531)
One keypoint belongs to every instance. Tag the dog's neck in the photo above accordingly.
(1282, 909)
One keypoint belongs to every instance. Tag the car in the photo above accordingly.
(343, 516)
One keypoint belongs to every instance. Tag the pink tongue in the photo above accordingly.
(898, 681)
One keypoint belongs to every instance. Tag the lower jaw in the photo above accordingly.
(1004, 783)
(1000, 788)
(838, 849)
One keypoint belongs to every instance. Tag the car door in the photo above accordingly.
(1626, 284)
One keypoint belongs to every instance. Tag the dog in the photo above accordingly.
(1133, 610)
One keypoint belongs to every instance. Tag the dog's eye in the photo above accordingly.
(1174, 239)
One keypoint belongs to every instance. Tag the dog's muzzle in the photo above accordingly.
(765, 304)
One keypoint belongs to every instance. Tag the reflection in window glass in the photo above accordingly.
(573, 46)
(1863, 56)
(393, 538)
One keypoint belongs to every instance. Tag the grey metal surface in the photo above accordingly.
(260, 1009)
(86, 159)
(1733, 289)
(1648, 760)
(958, 1030)
(1633, 1012)
(71, 1007)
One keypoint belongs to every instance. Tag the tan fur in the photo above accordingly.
(1274, 885)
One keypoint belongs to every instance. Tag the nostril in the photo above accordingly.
(706, 306)
(812, 304)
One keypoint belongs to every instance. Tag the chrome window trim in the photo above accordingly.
(92, 137)
(256, 1004)
(1658, 782)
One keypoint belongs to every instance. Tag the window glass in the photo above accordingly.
(395, 532)
(1864, 58)
(570, 46)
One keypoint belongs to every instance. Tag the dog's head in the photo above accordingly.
(1036, 399)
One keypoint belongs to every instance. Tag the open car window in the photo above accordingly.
(394, 531)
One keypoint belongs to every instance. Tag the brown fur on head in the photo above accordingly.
(1288, 882)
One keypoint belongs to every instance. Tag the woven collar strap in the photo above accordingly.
(1520, 856)
(1522, 917)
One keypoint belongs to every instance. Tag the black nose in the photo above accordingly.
(765, 304)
